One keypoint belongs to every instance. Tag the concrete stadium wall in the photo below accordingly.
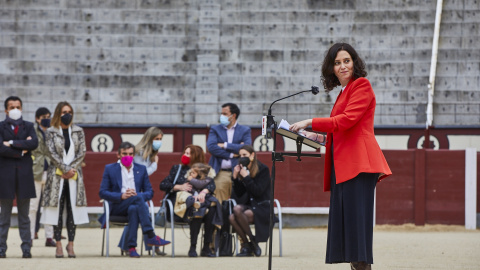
(176, 62)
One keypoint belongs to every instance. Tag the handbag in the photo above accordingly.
(226, 244)
(161, 216)
(226, 236)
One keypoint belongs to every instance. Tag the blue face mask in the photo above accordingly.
(224, 120)
(156, 145)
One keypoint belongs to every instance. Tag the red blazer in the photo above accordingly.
(350, 125)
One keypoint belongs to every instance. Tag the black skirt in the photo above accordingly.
(350, 219)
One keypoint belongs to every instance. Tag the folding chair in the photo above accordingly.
(172, 223)
(280, 226)
(120, 221)
(172, 226)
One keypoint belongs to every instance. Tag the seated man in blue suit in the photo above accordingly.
(126, 186)
(224, 142)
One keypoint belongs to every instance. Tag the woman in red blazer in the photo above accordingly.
(353, 161)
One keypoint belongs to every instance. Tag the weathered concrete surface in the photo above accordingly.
(171, 62)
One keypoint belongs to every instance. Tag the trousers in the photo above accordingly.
(223, 183)
(6, 206)
(71, 227)
(137, 211)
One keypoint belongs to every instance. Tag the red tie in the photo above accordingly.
(15, 130)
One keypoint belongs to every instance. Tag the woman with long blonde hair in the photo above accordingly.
(147, 149)
(64, 187)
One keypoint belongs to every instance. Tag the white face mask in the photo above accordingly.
(15, 114)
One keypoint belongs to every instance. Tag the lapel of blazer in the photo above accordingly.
(8, 127)
(341, 96)
(117, 170)
(237, 134)
(138, 180)
(223, 133)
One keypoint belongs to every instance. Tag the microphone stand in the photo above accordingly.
(271, 133)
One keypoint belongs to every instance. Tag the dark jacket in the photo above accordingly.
(167, 185)
(218, 134)
(257, 193)
(13, 165)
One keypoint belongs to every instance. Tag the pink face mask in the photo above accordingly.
(126, 161)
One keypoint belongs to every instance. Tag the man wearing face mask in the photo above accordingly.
(40, 166)
(125, 185)
(16, 176)
(223, 143)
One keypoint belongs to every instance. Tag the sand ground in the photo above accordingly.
(395, 247)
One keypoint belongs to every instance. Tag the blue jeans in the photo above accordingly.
(137, 212)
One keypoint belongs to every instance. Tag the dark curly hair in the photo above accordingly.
(329, 79)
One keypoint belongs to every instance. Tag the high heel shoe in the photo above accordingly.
(70, 253)
(59, 255)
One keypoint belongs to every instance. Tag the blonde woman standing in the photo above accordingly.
(64, 189)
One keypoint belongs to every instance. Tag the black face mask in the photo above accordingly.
(244, 161)
(66, 119)
(45, 122)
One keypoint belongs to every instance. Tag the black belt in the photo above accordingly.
(226, 170)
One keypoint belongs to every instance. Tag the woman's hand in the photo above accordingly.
(69, 174)
(236, 171)
(244, 172)
(183, 187)
(313, 136)
(156, 159)
(300, 125)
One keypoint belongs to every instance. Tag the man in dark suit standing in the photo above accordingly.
(125, 185)
(223, 143)
(17, 139)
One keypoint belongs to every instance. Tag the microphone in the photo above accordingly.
(267, 129)
(314, 91)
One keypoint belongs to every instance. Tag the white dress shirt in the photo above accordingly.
(128, 180)
(227, 163)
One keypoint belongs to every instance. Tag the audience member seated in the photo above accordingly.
(193, 154)
(125, 185)
(251, 185)
(146, 153)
